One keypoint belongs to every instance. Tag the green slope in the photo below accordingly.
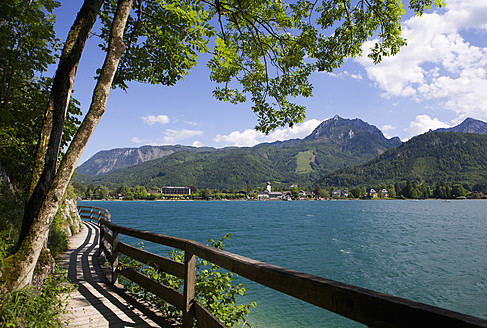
(431, 157)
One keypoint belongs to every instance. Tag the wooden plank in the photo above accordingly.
(189, 285)
(107, 234)
(155, 261)
(101, 238)
(362, 305)
(115, 258)
(160, 290)
(205, 318)
(106, 250)
(146, 235)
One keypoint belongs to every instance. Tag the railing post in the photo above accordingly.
(189, 284)
(115, 257)
(100, 244)
(91, 214)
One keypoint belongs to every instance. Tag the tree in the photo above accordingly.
(442, 190)
(457, 190)
(294, 192)
(101, 192)
(27, 47)
(206, 193)
(322, 193)
(391, 191)
(266, 50)
(140, 192)
(79, 189)
(408, 190)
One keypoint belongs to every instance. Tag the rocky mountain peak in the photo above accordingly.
(469, 125)
(338, 129)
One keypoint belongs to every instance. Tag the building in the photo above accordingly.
(275, 195)
(263, 194)
(340, 193)
(177, 190)
(269, 194)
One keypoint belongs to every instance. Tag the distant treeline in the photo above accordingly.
(404, 190)
(408, 190)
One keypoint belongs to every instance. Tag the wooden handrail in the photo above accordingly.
(101, 213)
(368, 307)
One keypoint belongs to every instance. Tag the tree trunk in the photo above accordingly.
(19, 267)
(47, 152)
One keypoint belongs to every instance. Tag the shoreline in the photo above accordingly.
(273, 200)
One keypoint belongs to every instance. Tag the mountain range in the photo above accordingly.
(106, 161)
(336, 143)
(331, 155)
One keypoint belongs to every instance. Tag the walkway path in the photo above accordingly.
(97, 303)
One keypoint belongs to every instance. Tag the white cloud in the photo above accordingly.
(153, 119)
(137, 140)
(174, 136)
(250, 137)
(246, 138)
(423, 123)
(197, 144)
(388, 127)
(345, 74)
(438, 63)
(191, 123)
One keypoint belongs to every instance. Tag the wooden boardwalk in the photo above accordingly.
(97, 303)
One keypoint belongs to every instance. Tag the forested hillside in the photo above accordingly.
(430, 157)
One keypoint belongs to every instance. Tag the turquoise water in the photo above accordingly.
(429, 251)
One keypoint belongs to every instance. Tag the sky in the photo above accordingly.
(436, 81)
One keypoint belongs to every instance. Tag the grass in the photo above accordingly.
(33, 307)
(303, 161)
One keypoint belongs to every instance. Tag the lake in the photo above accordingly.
(430, 251)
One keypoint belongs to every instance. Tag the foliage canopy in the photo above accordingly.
(264, 50)
(27, 47)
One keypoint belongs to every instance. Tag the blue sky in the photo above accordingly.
(438, 80)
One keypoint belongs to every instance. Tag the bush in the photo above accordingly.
(58, 238)
(11, 213)
(214, 288)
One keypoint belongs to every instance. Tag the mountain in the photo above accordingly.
(336, 143)
(430, 157)
(338, 129)
(470, 125)
(107, 161)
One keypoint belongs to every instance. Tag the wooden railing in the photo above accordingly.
(368, 307)
(93, 213)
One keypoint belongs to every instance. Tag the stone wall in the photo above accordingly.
(72, 221)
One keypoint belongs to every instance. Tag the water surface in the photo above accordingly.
(428, 251)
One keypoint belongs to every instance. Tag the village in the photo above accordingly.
(192, 193)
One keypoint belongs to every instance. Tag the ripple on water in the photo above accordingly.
(426, 251)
